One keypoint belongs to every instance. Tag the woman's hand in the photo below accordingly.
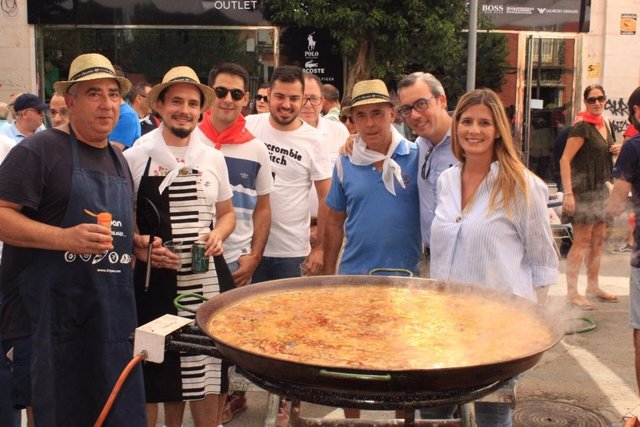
(615, 149)
(568, 204)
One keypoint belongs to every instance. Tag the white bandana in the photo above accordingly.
(157, 149)
(362, 156)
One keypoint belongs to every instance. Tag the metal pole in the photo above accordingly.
(473, 33)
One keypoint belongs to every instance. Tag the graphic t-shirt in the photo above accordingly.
(298, 158)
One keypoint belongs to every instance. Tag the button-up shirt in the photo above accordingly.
(438, 158)
(491, 249)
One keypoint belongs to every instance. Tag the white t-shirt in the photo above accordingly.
(209, 161)
(250, 176)
(298, 158)
(335, 134)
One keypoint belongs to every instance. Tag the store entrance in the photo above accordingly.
(548, 101)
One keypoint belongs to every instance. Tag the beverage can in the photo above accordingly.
(199, 261)
(104, 219)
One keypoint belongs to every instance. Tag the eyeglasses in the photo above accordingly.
(426, 166)
(236, 94)
(259, 97)
(593, 99)
(420, 105)
(313, 100)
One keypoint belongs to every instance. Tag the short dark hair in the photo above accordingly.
(229, 68)
(287, 74)
(634, 99)
(137, 89)
(589, 88)
(313, 77)
(330, 92)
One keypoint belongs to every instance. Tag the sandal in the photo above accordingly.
(603, 296)
(581, 303)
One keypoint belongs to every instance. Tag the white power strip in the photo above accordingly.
(151, 337)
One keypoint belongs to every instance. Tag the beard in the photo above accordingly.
(283, 122)
(180, 132)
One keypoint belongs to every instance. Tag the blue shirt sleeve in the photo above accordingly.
(336, 198)
(628, 163)
(126, 131)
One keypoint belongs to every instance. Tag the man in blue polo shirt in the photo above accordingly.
(374, 194)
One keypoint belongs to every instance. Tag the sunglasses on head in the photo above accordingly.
(259, 97)
(593, 99)
(236, 94)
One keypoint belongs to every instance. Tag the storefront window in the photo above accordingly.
(146, 53)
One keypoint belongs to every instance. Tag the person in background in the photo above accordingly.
(80, 314)
(491, 217)
(58, 113)
(29, 117)
(174, 170)
(247, 158)
(128, 129)
(261, 99)
(330, 102)
(629, 133)
(345, 119)
(137, 98)
(626, 175)
(334, 135)
(4, 115)
(585, 168)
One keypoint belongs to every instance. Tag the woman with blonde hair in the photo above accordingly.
(585, 168)
(491, 227)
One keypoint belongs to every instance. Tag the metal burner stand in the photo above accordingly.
(403, 401)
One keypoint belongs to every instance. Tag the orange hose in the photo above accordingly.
(116, 388)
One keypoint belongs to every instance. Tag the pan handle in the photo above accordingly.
(177, 302)
(391, 270)
(351, 376)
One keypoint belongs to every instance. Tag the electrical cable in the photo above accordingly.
(116, 388)
(591, 325)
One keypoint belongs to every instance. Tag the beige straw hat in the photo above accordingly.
(91, 66)
(181, 74)
(369, 92)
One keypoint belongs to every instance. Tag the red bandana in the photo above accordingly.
(234, 134)
(592, 119)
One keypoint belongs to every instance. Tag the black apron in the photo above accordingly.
(164, 382)
(82, 310)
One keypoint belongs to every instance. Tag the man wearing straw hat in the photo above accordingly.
(66, 280)
(188, 182)
(374, 195)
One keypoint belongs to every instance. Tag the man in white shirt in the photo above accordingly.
(334, 134)
(29, 110)
(298, 160)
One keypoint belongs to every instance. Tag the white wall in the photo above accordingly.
(17, 53)
(618, 55)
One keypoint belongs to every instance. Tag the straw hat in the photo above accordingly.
(91, 66)
(369, 92)
(181, 74)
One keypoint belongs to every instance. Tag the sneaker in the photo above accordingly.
(624, 249)
(282, 420)
(235, 403)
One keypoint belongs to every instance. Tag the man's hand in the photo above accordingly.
(314, 262)
(87, 239)
(161, 257)
(347, 148)
(247, 265)
(213, 243)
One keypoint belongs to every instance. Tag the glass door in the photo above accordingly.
(548, 101)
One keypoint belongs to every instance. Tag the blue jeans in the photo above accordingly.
(272, 268)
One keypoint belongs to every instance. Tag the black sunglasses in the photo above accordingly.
(259, 97)
(236, 94)
(593, 99)
(426, 166)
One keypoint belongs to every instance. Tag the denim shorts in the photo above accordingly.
(20, 369)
